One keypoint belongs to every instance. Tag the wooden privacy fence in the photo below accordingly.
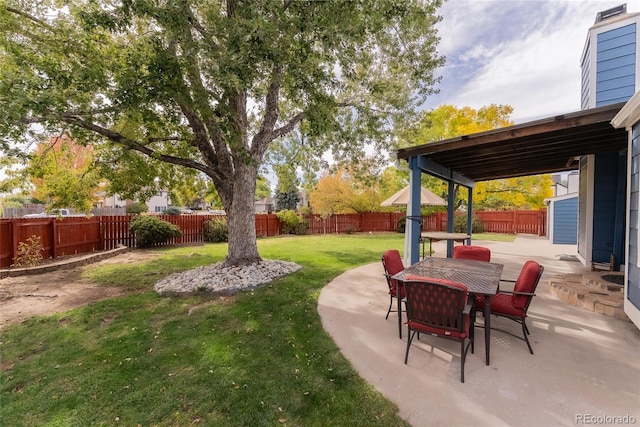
(514, 222)
(76, 235)
(506, 222)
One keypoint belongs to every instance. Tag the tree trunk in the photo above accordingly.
(243, 248)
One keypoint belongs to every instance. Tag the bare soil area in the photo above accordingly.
(30, 295)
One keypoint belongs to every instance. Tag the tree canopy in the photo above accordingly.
(59, 172)
(210, 85)
(527, 192)
(342, 191)
(448, 121)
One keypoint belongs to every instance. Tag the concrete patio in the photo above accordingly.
(585, 369)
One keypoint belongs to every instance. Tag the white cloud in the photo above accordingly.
(522, 53)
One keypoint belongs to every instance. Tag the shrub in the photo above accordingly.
(215, 230)
(29, 252)
(151, 230)
(172, 210)
(292, 223)
(460, 224)
(137, 208)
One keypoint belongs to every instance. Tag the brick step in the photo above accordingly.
(604, 286)
(590, 293)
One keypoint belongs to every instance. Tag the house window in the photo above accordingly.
(160, 209)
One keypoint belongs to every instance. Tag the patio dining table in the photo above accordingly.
(436, 236)
(481, 278)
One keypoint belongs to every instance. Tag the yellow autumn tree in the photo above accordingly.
(63, 175)
(448, 121)
(343, 192)
(526, 192)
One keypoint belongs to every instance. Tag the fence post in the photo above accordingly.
(14, 244)
(54, 234)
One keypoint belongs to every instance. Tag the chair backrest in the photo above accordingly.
(477, 253)
(436, 303)
(527, 282)
(392, 264)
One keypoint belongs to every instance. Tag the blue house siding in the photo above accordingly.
(615, 65)
(609, 207)
(611, 40)
(622, 71)
(633, 276)
(619, 85)
(565, 221)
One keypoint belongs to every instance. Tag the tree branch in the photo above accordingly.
(207, 128)
(271, 113)
(29, 17)
(134, 145)
(289, 126)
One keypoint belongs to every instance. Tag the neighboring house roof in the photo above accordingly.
(542, 146)
(265, 201)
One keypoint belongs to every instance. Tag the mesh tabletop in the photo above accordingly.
(479, 277)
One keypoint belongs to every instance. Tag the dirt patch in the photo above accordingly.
(25, 296)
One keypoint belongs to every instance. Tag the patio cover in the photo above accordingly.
(548, 145)
(553, 144)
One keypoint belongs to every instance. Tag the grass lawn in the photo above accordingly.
(496, 237)
(258, 358)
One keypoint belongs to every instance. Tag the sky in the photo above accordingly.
(522, 53)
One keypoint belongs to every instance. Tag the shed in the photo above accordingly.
(562, 217)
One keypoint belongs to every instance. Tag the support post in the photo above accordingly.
(412, 229)
(450, 217)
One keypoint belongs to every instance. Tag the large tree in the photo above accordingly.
(209, 85)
